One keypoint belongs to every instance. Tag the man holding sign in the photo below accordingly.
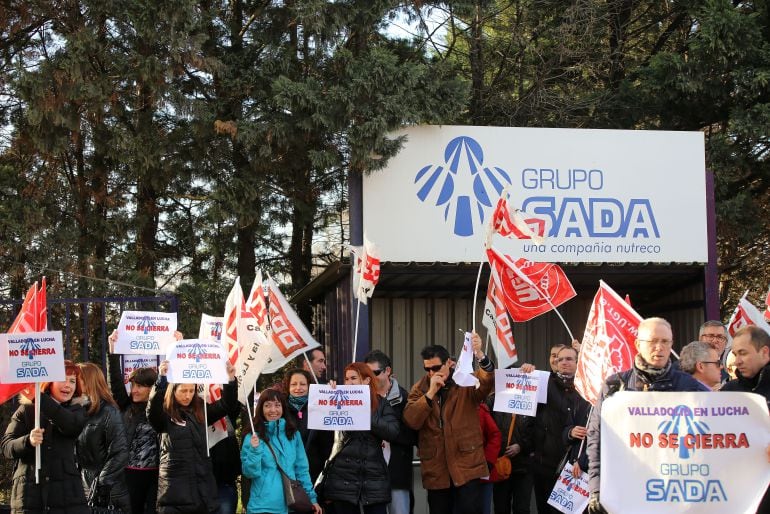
(445, 416)
(652, 371)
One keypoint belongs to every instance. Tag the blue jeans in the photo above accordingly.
(228, 498)
(400, 502)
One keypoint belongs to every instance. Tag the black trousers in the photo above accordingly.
(465, 499)
(544, 480)
(142, 489)
(513, 495)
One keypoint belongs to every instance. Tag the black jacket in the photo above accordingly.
(318, 443)
(61, 489)
(629, 380)
(759, 384)
(357, 472)
(564, 410)
(133, 413)
(185, 480)
(402, 447)
(103, 454)
(521, 435)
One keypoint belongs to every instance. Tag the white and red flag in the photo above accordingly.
(499, 327)
(608, 342)
(290, 336)
(366, 272)
(529, 288)
(257, 305)
(746, 314)
(511, 222)
(767, 305)
(235, 306)
(33, 317)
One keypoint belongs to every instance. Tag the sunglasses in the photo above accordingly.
(377, 372)
(434, 369)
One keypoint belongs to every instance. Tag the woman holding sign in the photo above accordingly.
(357, 474)
(62, 417)
(102, 448)
(277, 442)
(186, 481)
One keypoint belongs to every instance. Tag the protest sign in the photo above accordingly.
(519, 393)
(210, 328)
(32, 357)
(671, 452)
(145, 333)
(346, 407)
(197, 361)
(570, 494)
(133, 362)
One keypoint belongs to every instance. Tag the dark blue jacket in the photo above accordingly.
(630, 380)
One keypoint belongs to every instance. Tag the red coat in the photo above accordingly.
(493, 439)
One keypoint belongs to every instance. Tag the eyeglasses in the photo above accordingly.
(717, 363)
(662, 342)
(377, 372)
(718, 337)
(434, 369)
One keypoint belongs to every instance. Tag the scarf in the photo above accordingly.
(648, 372)
(297, 402)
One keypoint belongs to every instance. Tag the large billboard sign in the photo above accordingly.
(605, 195)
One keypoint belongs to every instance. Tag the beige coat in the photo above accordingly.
(450, 441)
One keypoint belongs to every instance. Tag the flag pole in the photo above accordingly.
(310, 367)
(355, 334)
(539, 291)
(251, 416)
(475, 296)
(582, 443)
(38, 455)
(206, 415)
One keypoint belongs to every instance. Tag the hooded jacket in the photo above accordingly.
(186, 481)
(60, 490)
(102, 456)
(260, 466)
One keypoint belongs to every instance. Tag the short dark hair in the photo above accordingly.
(380, 358)
(565, 347)
(143, 377)
(757, 336)
(435, 350)
(309, 353)
(710, 323)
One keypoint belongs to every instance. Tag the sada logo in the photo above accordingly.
(462, 185)
(29, 347)
(338, 398)
(683, 424)
(196, 352)
(145, 324)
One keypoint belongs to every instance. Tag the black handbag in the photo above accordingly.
(293, 493)
(97, 507)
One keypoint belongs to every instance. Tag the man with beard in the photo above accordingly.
(652, 371)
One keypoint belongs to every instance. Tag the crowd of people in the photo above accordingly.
(145, 450)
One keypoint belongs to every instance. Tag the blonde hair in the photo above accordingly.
(94, 386)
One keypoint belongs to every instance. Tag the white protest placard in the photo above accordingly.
(132, 363)
(570, 494)
(346, 407)
(145, 333)
(32, 357)
(210, 328)
(684, 452)
(519, 393)
(197, 361)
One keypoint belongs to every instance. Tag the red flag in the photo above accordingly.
(746, 314)
(256, 304)
(529, 289)
(608, 342)
(31, 318)
(234, 308)
(498, 323)
(366, 272)
(767, 305)
(511, 222)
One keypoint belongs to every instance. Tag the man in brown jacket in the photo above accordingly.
(450, 442)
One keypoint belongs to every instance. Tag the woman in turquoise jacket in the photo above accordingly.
(274, 427)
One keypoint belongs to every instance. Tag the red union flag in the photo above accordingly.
(528, 288)
(366, 272)
(31, 318)
(511, 222)
(608, 342)
(256, 304)
(289, 334)
(234, 311)
(767, 305)
(746, 314)
(499, 327)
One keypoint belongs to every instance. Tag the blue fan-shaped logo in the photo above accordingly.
(339, 396)
(683, 422)
(30, 346)
(523, 383)
(196, 351)
(145, 324)
(462, 185)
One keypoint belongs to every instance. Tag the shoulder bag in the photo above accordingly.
(293, 493)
